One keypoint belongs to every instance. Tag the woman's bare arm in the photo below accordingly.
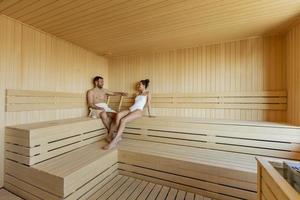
(149, 104)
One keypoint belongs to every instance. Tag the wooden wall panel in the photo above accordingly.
(123, 26)
(293, 74)
(254, 64)
(34, 60)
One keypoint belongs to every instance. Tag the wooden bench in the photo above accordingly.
(63, 159)
(214, 158)
(60, 159)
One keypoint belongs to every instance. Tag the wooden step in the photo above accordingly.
(33, 143)
(65, 177)
(125, 187)
(216, 174)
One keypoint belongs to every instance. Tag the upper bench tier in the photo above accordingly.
(33, 143)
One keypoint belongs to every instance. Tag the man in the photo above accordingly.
(97, 98)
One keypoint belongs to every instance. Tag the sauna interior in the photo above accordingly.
(225, 99)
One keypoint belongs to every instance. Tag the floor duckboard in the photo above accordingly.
(129, 188)
(5, 195)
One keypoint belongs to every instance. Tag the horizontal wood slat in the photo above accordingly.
(33, 143)
(29, 100)
(264, 100)
(273, 141)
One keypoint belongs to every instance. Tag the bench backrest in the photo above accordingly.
(29, 100)
(265, 100)
(255, 138)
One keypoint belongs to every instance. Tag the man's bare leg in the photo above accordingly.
(111, 118)
(105, 119)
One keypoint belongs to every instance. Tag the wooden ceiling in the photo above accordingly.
(117, 27)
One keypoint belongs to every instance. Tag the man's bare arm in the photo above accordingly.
(111, 93)
(90, 100)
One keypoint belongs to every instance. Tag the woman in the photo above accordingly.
(142, 99)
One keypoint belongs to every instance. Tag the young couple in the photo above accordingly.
(115, 122)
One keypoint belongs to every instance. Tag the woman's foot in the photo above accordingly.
(113, 144)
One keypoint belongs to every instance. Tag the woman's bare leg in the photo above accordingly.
(128, 118)
(115, 124)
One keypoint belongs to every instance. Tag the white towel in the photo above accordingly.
(95, 113)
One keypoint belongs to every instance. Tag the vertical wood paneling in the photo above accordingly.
(254, 64)
(33, 60)
(293, 74)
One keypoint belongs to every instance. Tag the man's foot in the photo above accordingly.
(108, 138)
(113, 144)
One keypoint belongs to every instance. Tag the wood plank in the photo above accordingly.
(189, 196)
(102, 190)
(172, 194)
(267, 192)
(180, 195)
(5, 195)
(146, 191)
(198, 197)
(193, 183)
(163, 193)
(154, 193)
(114, 188)
(130, 189)
(93, 186)
(121, 189)
(138, 190)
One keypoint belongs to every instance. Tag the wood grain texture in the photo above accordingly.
(274, 100)
(272, 184)
(122, 27)
(122, 187)
(293, 74)
(250, 65)
(271, 141)
(33, 60)
(5, 195)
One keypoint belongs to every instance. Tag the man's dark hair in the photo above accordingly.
(97, 78)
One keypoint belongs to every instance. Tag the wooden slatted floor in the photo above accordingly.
(128, 188)
(5, 195)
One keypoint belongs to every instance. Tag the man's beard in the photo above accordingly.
(100, 86)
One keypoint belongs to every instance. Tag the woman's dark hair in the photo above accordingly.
(145, 82)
